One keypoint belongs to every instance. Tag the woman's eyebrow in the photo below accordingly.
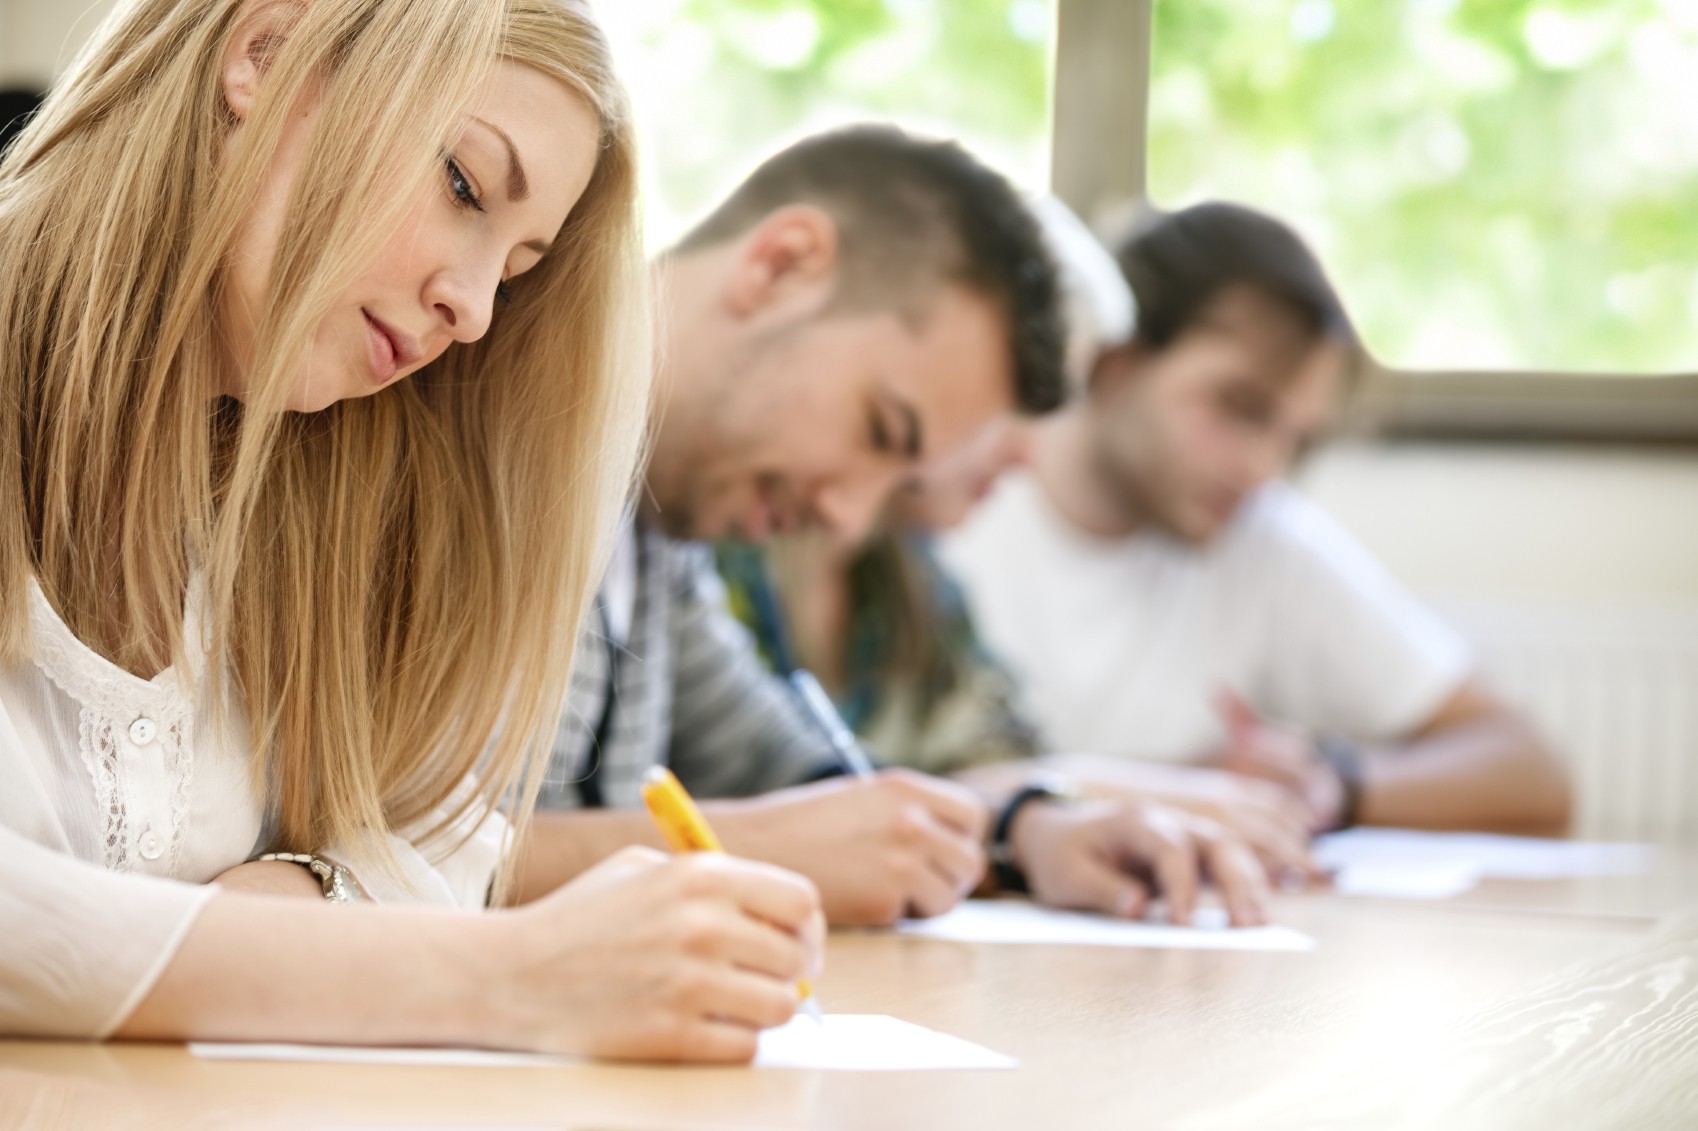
(518, 188)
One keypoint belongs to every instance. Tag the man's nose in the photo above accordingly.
(850, 506)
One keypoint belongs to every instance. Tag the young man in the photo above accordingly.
(1162, 596)
(862, 307)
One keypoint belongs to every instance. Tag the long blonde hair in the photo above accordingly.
(393, 583)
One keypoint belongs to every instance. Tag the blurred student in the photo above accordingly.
(296, 487)
(881, 623)
(1163, 596)
(860, 310)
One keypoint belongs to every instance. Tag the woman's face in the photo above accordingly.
(504, 189)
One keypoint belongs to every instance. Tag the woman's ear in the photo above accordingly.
(261, 28)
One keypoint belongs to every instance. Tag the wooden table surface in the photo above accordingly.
(1563, 1004)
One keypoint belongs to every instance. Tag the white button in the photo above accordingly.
(143, 731)
(149, 846)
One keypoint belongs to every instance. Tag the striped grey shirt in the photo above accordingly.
(688, 691)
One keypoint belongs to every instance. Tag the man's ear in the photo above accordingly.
(788, 261)
(261, 28)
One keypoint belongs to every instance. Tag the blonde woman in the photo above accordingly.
(322, 377)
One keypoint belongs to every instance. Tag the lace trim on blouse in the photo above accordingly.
(110, 701)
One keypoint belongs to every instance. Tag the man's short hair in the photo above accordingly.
(1178, 263)
(911, 214)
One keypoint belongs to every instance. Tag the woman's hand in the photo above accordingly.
(649, 957)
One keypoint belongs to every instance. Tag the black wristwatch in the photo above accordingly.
(1346, 762)
(1007, 874)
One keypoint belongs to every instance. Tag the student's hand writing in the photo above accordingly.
(652, 957)
(899, 844)
(1115, 856)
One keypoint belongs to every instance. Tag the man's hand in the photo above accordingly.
(900, 844)
(1286, 759)
(1114, 856)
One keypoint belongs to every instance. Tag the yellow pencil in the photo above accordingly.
(684, 829)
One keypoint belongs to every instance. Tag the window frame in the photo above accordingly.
(1101, 87)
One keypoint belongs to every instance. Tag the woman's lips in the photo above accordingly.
(380, 352)
(387, 350)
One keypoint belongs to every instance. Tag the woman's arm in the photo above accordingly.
(271, 877)
(644, 957)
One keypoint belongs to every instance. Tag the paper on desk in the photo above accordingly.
(362, 1054)
(870, 1041)
(1389, 851)
(846, 1042)
(1016, 921)
(1407, 879)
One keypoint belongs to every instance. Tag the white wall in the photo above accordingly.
(1490, 522)
(38, 37)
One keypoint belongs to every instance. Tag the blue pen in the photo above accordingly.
(842, 740)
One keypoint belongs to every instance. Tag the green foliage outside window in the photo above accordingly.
(1504, 183)
(722, 83)
(1494, 183)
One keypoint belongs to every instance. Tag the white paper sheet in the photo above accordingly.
(870, 1042)
(359, 1054)
(1409, 879)
(1497, 857)
(1016, 921)
(845, 1042)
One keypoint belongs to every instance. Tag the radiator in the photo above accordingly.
(1615, 690)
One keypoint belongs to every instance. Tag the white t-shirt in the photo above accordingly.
(1120, 645)
(119, 800)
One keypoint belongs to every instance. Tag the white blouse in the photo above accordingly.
(120, 798)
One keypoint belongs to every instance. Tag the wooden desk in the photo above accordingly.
(1106, 1038)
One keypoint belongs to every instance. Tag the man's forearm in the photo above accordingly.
(1492, 772)
(560, 846)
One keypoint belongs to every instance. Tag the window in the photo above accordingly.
(1493, 183)
(721, 84)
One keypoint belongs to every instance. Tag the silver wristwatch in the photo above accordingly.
(338, 884)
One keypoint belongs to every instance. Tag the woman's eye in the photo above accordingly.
(462, 187)
(503, 293)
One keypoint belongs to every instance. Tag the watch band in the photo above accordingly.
(1006, 873)
(334, 880)
(1345, 758)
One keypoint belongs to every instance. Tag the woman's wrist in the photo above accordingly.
(493, 963)
(271, 877)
